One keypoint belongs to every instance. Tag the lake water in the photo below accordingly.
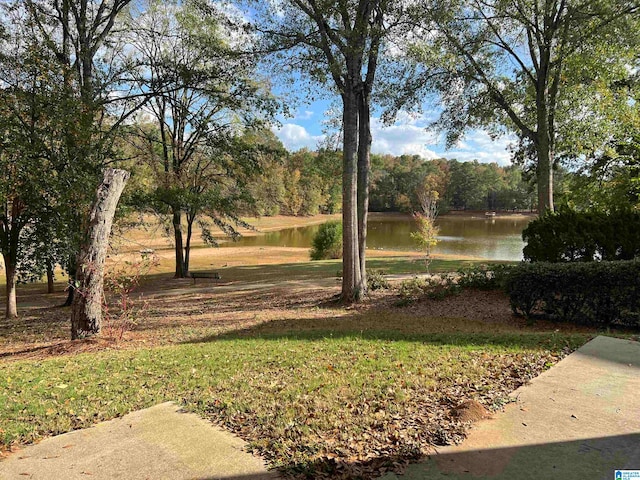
(498, 238)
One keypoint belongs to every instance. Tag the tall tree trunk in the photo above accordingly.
(364, 153)
(10, 271)
(187, 250)
(544, 174)
(10, 240)
(544, 136)
(50, 278)
(351, 277)
(86, 311)
(177, 235)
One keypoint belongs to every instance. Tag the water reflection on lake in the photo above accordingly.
(496, 238)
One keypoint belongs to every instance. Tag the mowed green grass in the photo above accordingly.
(333, 268)
(301, 398)
(300, 270)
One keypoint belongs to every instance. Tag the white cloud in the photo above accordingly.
(294, 137)
(402, 138)
(412, 118)
(305, 115)
(408, 136)
(478, 145)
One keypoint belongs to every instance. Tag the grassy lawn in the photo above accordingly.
(311, 401)
(331, 268)
(315, 387)
(178, 310)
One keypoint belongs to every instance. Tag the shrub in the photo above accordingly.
(483, 277)
(376, 280)
(121, 310)
(435, 287)
(590, 293)
(567, 235)
(327, 242)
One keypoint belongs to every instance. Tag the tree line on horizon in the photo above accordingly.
(308, 182)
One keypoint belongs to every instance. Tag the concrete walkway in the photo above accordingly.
(157, 443)
(580, 420)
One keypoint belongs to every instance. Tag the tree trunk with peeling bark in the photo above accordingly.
(86, 311)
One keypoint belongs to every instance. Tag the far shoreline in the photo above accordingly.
(457, 213)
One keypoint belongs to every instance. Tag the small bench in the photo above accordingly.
(212, 275)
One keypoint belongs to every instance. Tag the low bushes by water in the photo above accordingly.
(484, 276)
(434, 287)
(437, 287)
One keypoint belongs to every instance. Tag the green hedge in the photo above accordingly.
(595, 293)
(567, 235)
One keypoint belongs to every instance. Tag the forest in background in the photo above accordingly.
(308, 182)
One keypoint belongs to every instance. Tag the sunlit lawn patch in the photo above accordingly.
(330, 268)
(321, 401)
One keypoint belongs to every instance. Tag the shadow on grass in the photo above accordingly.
(24, 350)
(350, 328)
(249, 301)
(36, 324)
(314, 270)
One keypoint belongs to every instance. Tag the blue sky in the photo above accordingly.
(408, 135)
